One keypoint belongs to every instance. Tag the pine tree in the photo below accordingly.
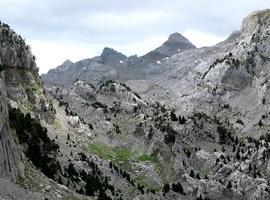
(229, 185)
(191, 174)
(177, 188)
(166, 188)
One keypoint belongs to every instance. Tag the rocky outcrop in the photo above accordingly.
(10, 163)
(19, 87)
(14, 55)
(111, 57)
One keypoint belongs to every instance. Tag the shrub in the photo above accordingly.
(177, 187)
(182, 120)
(166, 188)
(173, 117)
(191, 174)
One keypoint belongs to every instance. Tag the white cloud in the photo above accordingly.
(201, 39)
(51, 53)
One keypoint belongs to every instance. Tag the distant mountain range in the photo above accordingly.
(115, 65)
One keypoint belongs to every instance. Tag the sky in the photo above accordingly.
(58, 30)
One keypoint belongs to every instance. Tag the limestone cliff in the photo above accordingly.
(19, 87)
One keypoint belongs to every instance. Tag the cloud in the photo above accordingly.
(80, 29)
(51, 53)
(201, 39)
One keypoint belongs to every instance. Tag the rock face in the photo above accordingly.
(9, 163)
(15, 57)
(19, 87)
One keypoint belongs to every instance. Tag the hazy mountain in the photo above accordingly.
(114, 65)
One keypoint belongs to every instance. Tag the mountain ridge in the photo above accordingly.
(121, 65)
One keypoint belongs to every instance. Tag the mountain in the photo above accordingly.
(111, 57)
(191, 126)
(113, 65)
(175, 44)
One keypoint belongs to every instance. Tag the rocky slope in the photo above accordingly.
(189, 124)
(201, 114)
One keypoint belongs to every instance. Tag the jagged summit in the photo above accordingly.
(110, 55)
(175, 44)
(255, 22)
(65, 66)
(177, 37)
(67, 62)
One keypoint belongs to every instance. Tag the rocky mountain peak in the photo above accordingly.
(175, 44)
(110, 55)
(234, 35)
(177, 37)
(67, 62)
(14, 51)
(256, 23)
(66, 65)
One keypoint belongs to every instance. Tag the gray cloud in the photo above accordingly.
(67, 19)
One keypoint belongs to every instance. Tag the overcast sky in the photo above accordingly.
(63, 29)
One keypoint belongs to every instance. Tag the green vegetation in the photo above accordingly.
(32, 87)
(120, 155)
(147, 157)
(26, 108)
(39, 148)
(102, 150)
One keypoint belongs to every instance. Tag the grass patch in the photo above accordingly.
(102, 150)
(32, 87)
(111, 153)
(204, 172)
(147, 157)
(121, 155)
